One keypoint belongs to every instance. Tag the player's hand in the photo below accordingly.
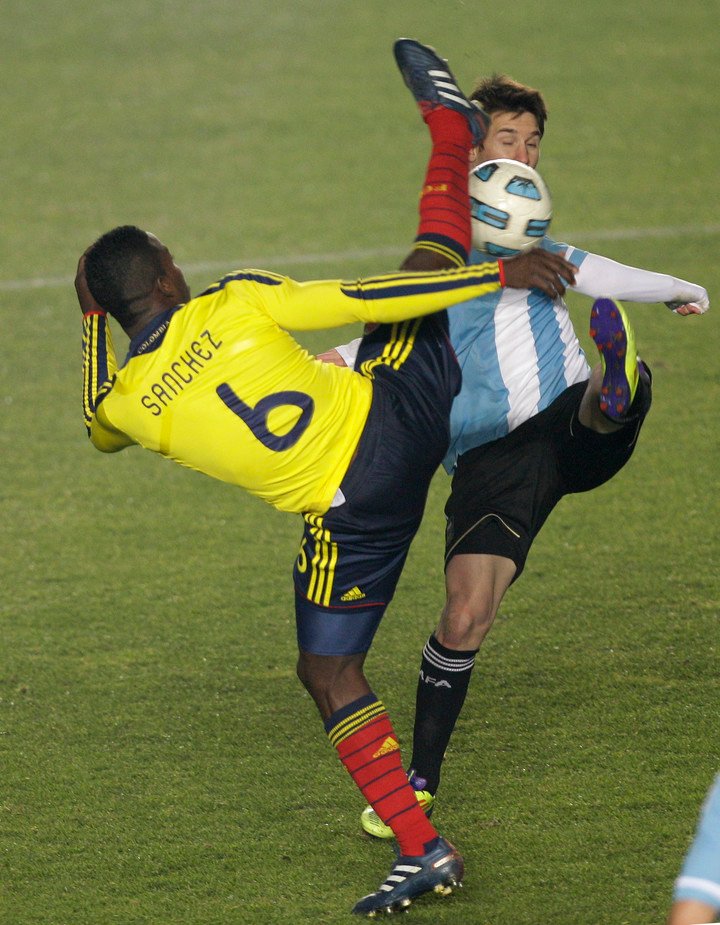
(333, 357)
(689, 308)
(85, 298)
(539, 269)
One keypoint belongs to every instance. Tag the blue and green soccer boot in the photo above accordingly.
(614, 338)
(431, 82)
(438, 871)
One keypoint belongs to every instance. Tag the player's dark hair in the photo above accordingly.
(501, 93)
(121, 268)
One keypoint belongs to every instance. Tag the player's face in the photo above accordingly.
(513, 135)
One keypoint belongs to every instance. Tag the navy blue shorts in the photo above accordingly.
(351, 556)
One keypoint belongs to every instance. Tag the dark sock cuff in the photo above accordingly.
(339, 715)
(454, 654)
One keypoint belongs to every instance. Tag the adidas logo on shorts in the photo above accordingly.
(354, 594)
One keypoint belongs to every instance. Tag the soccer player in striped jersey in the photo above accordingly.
(218, 384)
(531, 423)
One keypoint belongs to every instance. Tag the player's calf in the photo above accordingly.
(373, 825)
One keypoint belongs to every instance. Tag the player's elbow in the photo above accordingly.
(106, 446)
(108, 441)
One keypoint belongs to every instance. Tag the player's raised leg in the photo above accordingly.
(443, 237)
(444, 234)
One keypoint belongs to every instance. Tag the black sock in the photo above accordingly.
(442, 686)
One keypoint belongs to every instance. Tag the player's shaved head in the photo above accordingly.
(121, 268)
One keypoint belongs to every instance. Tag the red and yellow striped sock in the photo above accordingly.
(444, 201)
(366, 743)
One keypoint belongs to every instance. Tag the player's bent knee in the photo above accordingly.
(465, 622)
(468, 611)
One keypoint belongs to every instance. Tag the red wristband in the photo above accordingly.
(95, 311)
(501, 273)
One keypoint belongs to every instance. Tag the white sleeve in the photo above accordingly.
(349, 351)
(600, 276)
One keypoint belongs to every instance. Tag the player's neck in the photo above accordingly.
(144, 318)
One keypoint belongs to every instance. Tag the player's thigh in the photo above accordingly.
(345, 578)
(501, 495)
(475, 586)
(588, 459)
(477, 582)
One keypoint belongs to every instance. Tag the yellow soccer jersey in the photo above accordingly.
(220, 386)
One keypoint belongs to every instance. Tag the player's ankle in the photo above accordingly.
(448, 125)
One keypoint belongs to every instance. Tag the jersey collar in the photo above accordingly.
(152, 335)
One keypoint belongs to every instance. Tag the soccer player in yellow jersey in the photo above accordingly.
(218, 384)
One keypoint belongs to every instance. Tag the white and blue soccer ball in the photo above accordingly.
(511, 207)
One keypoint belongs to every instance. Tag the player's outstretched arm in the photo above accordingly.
(599, 276)
(534, 269)
(537, 269)
(397, 296)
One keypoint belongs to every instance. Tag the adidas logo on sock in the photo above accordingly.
(354, 594)
(389, 745)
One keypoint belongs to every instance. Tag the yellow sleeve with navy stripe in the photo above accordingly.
(227, 391)
(392, 297)
(99, 369)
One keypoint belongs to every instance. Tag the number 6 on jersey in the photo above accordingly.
(257, 418)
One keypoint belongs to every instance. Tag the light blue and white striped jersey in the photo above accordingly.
(700, 876)
(518, 351)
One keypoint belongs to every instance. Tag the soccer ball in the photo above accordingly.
(511, 207)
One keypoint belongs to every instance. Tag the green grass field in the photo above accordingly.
(159, 762)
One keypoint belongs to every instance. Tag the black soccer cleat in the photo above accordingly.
(439, 870)
(431, 82)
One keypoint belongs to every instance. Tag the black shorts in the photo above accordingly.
(351, 556)
(503, 492)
